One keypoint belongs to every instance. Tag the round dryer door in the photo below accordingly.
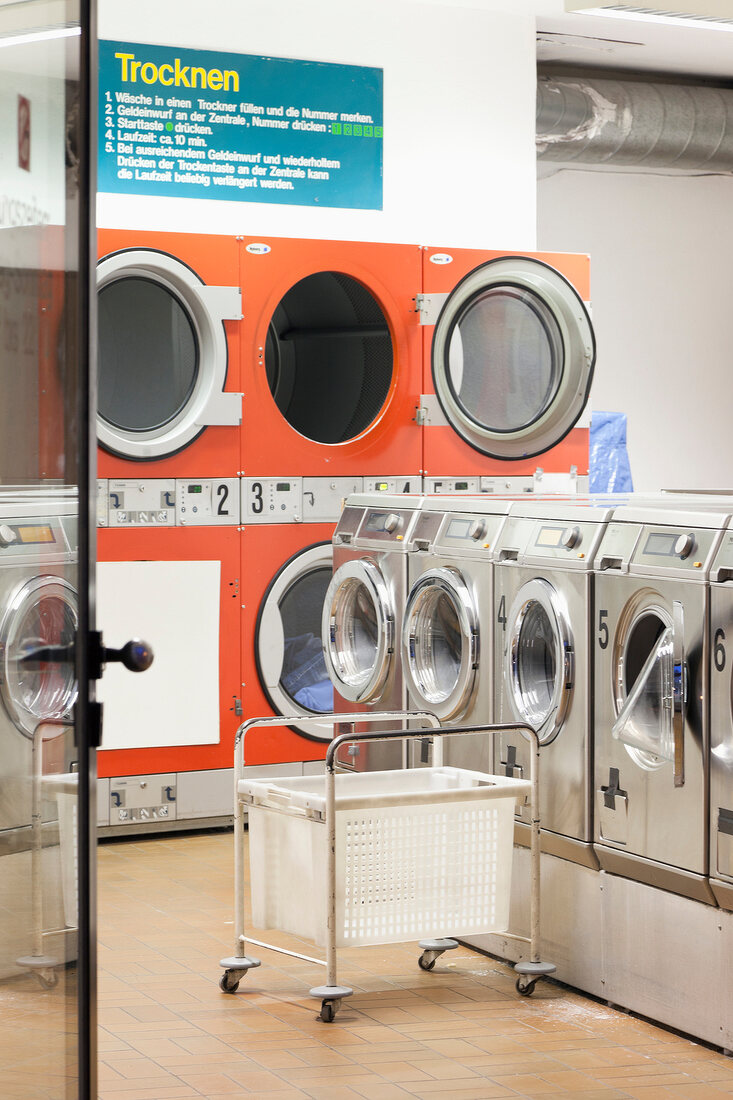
(329, 357)
(513, 356)
(538, 660)
(440, 643)
(288, 648)
(358, 631)
(649, 680)
(162, 354)
(42, 612)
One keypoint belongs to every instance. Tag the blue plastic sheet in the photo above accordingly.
(609, 471)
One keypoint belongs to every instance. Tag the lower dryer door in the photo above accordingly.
(539, 659)
(440, 643)
(358, 631)
(288, 648)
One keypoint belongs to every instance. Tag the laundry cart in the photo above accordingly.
(380, 857)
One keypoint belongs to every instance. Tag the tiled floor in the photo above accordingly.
(168, 1033)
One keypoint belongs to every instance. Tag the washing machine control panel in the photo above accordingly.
(439, 485)
(674, 550)
(405, 484)
(207, 503)
(272, 500)
(150, 502)
(468, 534)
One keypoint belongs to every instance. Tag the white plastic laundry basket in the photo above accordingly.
(419, 852)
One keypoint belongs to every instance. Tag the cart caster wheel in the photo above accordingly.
(47, 979)
(525, 989)
(425, 963)
(329, 1010)
(228, 982)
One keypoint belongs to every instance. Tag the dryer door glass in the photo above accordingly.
(440, 642)
(646, 719)
(358, 631)
(539, 659)
(148, 354)
(513, 354)
(290, 660)
(42, 613)
(329, 357)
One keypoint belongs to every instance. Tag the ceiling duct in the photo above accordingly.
(625, 123)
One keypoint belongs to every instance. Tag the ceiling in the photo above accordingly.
(592, 41)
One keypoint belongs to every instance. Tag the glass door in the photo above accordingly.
(47, 732)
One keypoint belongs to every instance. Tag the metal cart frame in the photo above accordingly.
(332, 994)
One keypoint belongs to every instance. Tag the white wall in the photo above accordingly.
(662, 300)
(459, 105)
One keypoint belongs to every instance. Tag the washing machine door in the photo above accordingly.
(539, 661)
(42, 612)
(358, 631)
(440, 643)
(513, 357)
(162, 354)
(288, 649)
(651, 686)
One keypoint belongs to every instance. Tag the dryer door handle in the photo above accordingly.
(135, 655)
(679, 692)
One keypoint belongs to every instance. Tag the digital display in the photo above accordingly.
(459, 529)
(661, 545)
(382, 487)
(35, 535)
(195, 488)
(461, 486)
(550, 536)
(375, 522)
(282, 487)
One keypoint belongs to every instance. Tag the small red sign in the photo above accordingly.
(24, 133)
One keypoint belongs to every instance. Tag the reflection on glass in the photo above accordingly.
(304, 677)
(505, 359)
(40, 354)
(535, 668)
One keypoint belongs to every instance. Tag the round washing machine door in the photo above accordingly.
(41, 612)
(329, 336)
(288, 649)
(539, 659)
(440, 643)
(649, 680)
(162, 354)
(358, 631)
(513, 357)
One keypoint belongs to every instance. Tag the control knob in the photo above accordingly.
(477, 529)
(391, 522)
(7, 535)
(570, 537)
(685, 545)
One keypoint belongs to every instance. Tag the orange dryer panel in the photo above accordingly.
(170, 311)
(508, 359)
(286, 569)
(331, 353)
(180, 588)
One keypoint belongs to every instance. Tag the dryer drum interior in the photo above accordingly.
(329, 357)
(513, 355)
(43, 612)
(290, 660)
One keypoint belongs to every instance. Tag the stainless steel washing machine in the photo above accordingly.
(542, 665)
(652, 651)
(447, 642)
(38, 606)
(721, 723)
(364, 605)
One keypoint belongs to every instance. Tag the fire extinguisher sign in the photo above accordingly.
(24, 133)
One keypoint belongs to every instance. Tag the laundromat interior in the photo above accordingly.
(366, 493)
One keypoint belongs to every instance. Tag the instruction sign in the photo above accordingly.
(207, 124)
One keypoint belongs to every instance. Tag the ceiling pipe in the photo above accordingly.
(626, 123)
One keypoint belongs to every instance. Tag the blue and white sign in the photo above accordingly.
(205, 124)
